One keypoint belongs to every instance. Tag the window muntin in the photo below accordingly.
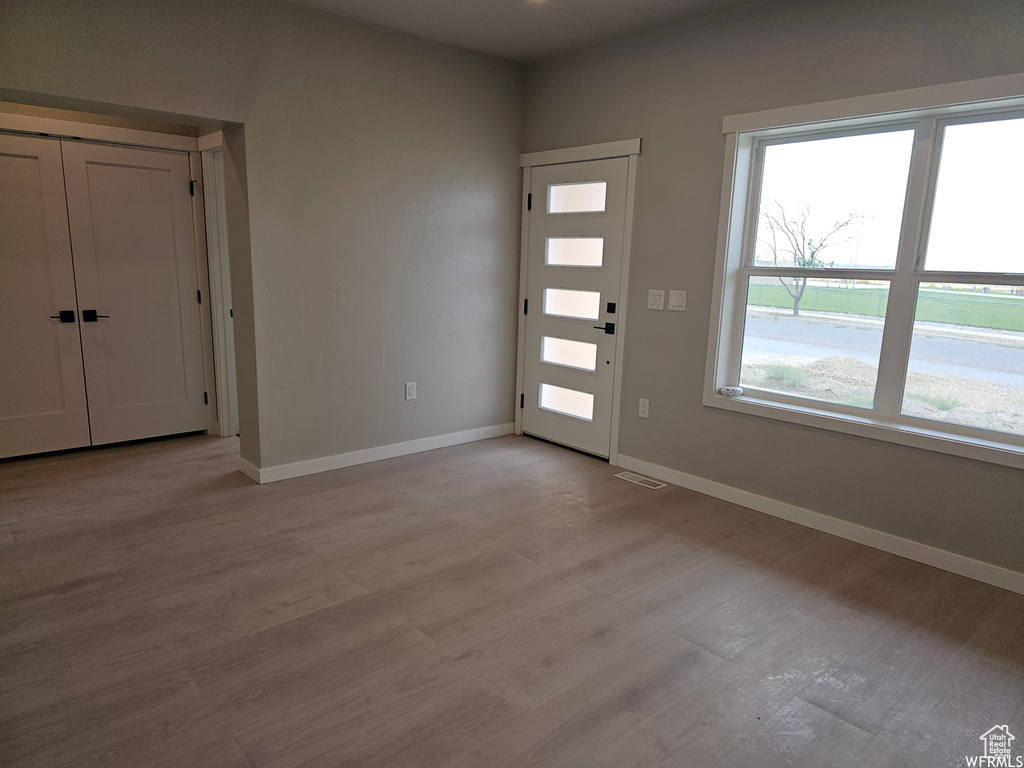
(979, 199)
(833, 202)
(895, 413)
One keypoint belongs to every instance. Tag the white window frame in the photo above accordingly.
(926, 110)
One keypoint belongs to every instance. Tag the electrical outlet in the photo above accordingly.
(655, 299)
(410, 390)
(677, 301)
(645, 408)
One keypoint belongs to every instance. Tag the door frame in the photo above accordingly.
(629, 148)
(34, 125)
(220, 266)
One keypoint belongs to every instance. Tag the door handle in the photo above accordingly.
(64, 315)
(90, 316)
(608, 328)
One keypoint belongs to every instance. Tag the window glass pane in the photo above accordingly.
(967, 356)
(979, 199)
(587, 197)
(814, 338)
(833, 202)
(574, 251)
(575, 354)
(585, 305)
(569, 402)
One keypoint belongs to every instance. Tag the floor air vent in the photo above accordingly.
(644, 481)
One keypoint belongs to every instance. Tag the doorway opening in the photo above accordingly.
(108, 272)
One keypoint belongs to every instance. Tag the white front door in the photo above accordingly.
(574, 262)
(135, 268)
(42, 388)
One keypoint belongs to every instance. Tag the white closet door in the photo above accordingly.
(135, 266)
(42, 388)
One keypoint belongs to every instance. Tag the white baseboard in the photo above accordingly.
(342, 460)
(248, 469)
(887, 542)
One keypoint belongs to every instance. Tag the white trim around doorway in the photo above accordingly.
(604, 151)
(70, 129)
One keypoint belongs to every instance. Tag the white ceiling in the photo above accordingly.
(523, 30)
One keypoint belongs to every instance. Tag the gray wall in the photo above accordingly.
(383, 190)
(672, 88)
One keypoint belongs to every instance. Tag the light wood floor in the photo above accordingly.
(504, 603)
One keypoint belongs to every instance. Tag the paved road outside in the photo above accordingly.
(816, 338)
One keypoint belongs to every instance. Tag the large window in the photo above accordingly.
(872, 279)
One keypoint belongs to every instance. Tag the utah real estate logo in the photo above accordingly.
(998, 752)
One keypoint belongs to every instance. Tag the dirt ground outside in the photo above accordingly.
(928, 395)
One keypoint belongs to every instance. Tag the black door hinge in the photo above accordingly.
(192, 187)
(529, 201)
(231, 313)
(206, 398)
(522, 401)
(199, 296)
(526, 304)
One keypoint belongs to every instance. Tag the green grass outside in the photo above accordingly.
(977, 310)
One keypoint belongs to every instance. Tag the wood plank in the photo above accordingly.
(506, 603)
(801, 734)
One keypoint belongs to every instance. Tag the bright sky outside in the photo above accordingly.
(978, 220)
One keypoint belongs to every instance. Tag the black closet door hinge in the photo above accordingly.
(526, 305)
(529, 201)
(206, 399)
(199, 296)
(522, 401)
(192, 187)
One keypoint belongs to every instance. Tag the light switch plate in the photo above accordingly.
(410, 390)
(655, 299)
(677, 301)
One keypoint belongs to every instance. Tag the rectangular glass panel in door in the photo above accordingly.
(979, 199)
(586, 197)
(967, 357)
(574, 251)
(568, 402)
(581, 305)
(572, 354)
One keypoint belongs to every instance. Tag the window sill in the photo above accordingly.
(993, 452)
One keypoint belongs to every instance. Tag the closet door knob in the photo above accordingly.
(90, 316)
(65, 316)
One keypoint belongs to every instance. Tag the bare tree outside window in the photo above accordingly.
(789, 245)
